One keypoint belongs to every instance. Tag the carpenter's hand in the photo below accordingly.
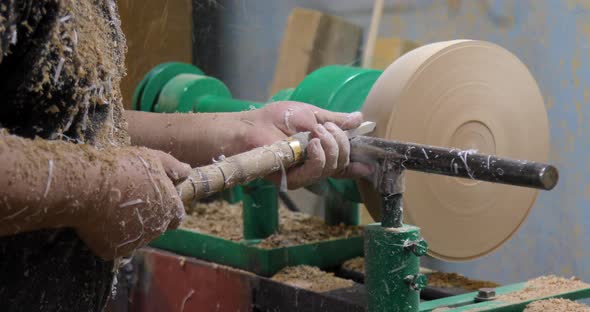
(136, 202)
(328, 153)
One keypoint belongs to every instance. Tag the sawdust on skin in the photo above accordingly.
(544, 286)
(557, 304)
(311, 278)
(224, 220)
(70, 162)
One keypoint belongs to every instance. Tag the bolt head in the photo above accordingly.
(486, 294)
(419, 248)
(416, 282)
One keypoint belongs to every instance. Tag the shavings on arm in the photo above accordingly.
(132, 203)
(129, 241)
(49, 178)
(287, 115)
(14, 215)
(147, 169)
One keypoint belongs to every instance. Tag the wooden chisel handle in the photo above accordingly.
(243, 168)
(246, 167)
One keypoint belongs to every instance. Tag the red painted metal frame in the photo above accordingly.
(169, 282)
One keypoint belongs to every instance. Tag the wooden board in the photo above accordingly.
(157, 31)
(388, 50)
(311, 40)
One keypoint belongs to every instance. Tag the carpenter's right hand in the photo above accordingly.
(135, 203)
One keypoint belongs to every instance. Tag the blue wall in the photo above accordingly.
(551, 37)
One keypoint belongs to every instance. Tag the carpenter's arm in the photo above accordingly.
(42, 185)
(192, 138)
(117, 199)
(198, 138)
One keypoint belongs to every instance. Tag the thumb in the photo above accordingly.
(176, 170)
(343, 120)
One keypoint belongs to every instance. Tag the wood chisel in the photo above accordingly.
(248, 166)
(384, 154)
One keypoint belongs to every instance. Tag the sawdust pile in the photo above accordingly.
(217, 218)
(311, 278)
(556, 305)
(224, 220)
(542, 287)
(355, 264)
(450, 280)
(435, 279)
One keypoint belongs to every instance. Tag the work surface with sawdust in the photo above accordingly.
(225, 220)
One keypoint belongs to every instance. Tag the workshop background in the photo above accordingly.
(238, 41)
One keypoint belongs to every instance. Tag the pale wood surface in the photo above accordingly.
(157, 31)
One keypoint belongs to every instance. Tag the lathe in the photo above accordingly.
(415, 92)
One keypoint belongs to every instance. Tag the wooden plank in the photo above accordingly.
(311, 40)
(388, 50)
(157, 31)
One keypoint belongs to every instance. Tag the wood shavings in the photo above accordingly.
(225, 220)
(49, 177)
(132, 203)
(82, 46)
(311, 278)
(544, 286)
(60, 65)
(156, 188)
(435, 279)
(288, 114)
(556, 304)
(451, 280)
(134, 239)
(355, 264)
(185, 299)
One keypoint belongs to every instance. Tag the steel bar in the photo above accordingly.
(453, 162)
(392, 211)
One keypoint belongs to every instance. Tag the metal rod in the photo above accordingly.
(454, 162)
(392, 211)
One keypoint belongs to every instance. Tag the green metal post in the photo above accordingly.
(340, 211)
(392, 268)
(261, 209)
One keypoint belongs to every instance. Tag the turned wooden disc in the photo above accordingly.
(470, 95)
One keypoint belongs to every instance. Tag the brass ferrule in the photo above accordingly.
(295, 146)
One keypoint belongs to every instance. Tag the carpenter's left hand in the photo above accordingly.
(328, 153)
